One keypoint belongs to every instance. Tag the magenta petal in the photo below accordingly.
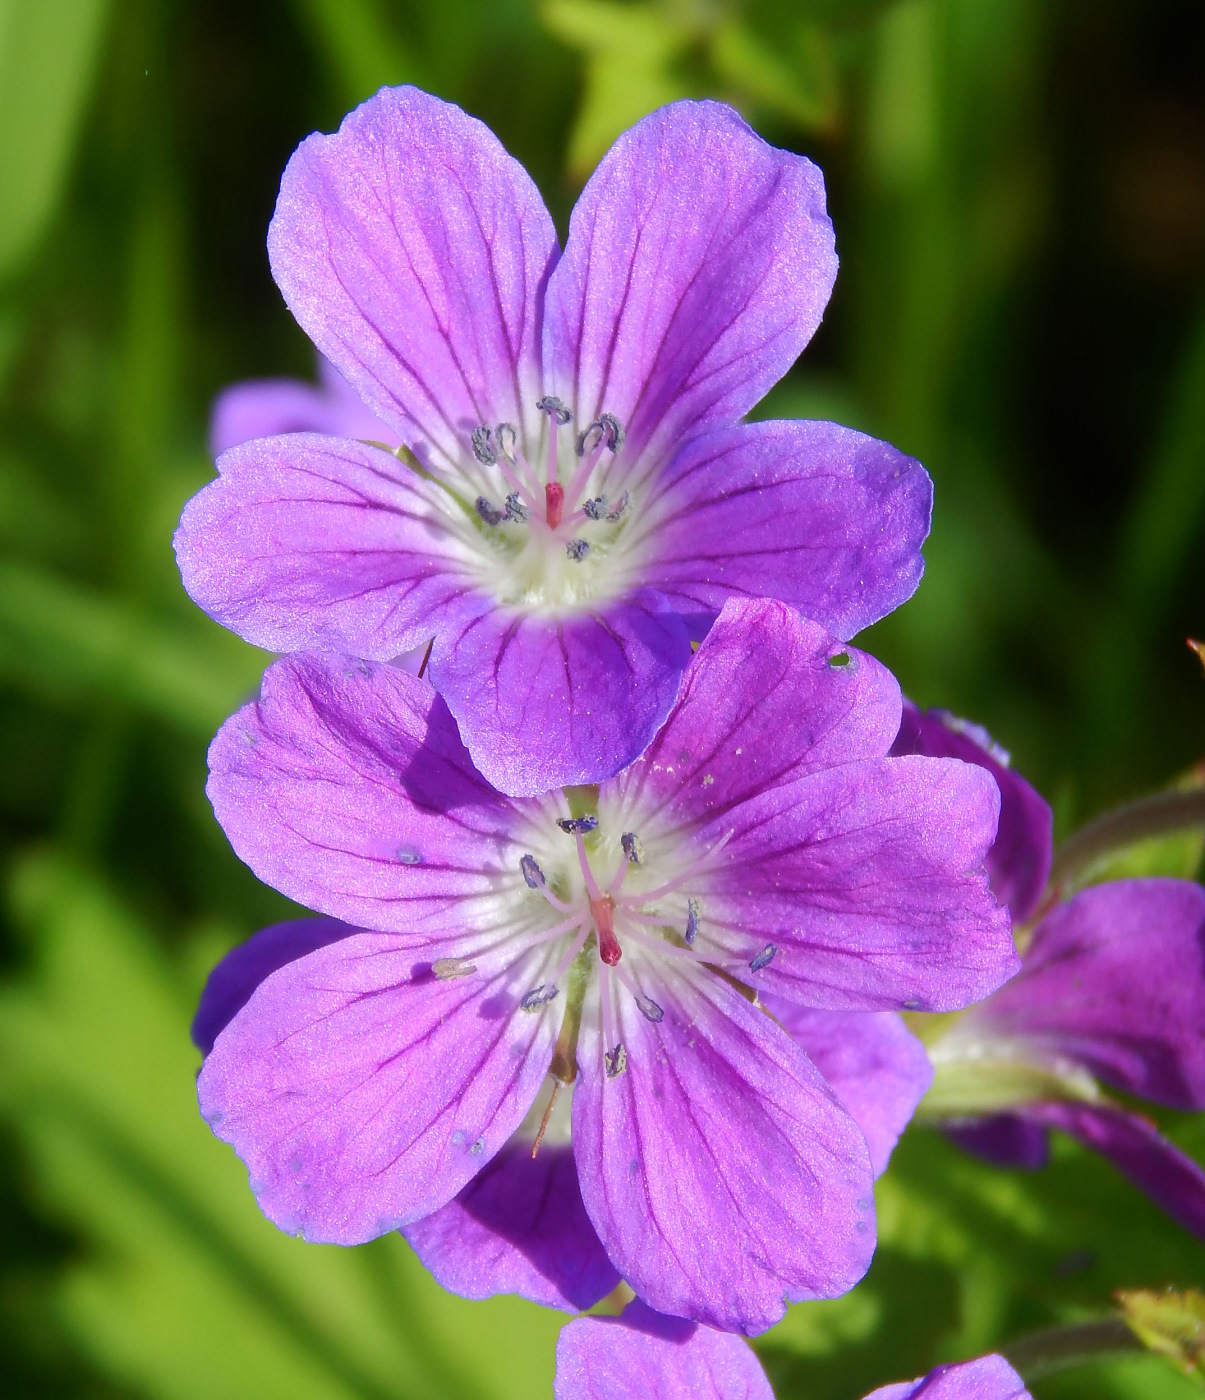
(1018, 865)
(269, 407)
(543, 702)
(346, 786)
(820, 516)
(698, 265)
(308, 542)
(1135, 1147)
(868, 880)
(645, 1356)
(518, 1227)
(1115, 980)
(363, 1093)
(761, 704)
(873, 1063)
(722, 1176)
(1004, 1139)
(414, 252)
(986, 1378)
(230, 984)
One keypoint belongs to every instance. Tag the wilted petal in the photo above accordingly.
(986, 1378)
(518, 1227)
(873, 1063)
(646, 1356)
(308, 542)
(230, 984)
(1018, 865)
(868, 880)
(543, 702)
(1115, 980)
(698, 264)
(762, 703)
(822, 517)
(363, 1093)
(1004, 1139)
(414, 252)
(721, 1174)
(346, 786)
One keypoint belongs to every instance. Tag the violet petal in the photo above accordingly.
(985, 1378)
(1004, 1139)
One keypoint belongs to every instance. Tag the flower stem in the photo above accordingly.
(1056, 1348)
(1159, 815)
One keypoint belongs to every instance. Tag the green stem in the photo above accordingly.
(1056, 1348)
(1160, 815)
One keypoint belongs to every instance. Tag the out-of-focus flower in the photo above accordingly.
(576, 497)
(645, 1356)
(1111, 995)
(617, 938)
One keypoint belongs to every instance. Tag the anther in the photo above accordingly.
(539, 996)
(596, 508)
(482, 449)
(488, 511)
(610, 434)
(633, 847)
(621, 504)
(572, 826)
(515, 509)
(532, 873)
(551, 405)
(577, 550)
(764, 958)
(693, 910)
(648, 1008)
(506, 436)
(445, 969)
(616, 1061)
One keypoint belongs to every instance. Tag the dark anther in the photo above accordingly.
(693, 910)
(515, 509)
(596, 509)
(488, 511)
(539, 996)
(621, 504)
(764, 958)
(532, 873)
(609, 430)
(574, 826)
(633, 847)
(648, 1007)
(551, 405)
(482, 449)
(616, 1061)
(577, 550)
(506, 435)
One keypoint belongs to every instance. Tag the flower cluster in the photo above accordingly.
(622, 888)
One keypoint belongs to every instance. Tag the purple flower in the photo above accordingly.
(577, 497)
(616, 937)
(644, 1356)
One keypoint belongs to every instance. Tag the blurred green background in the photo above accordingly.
(1018, 188)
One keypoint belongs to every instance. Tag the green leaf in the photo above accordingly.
(1171, 1324)
(799, 83)
(363, 50)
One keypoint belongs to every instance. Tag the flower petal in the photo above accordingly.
(985, 1378)
(1004, 1139)
(760, 705)
(543, 702)
(1018, 865)
(231, 983)
(1135, 1147)
(698, 264)
(308, 542)
(720, 1173)
(1115, 980)
(873, 1063)
(414, 253)
(822, 517)
(645, 1356)
(363, 1093)
(518, 1227)
(868, 881)
(346, 786)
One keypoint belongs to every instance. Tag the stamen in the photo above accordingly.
(764, 958)
(506, 436)
(532, 873)
(690, 873)
(616, 1061)
(515, 509)
(577, 550)
(621, 504)
(572, 826)
(448, 968)
(554, 502)
(554, 408)
(633, 847)
(539, 996)
(634, 925)
(648, 1008)
(596, 508)
(489, 512)
(482, 448)
(535, 1147)
(693, 910)
(610, 434)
